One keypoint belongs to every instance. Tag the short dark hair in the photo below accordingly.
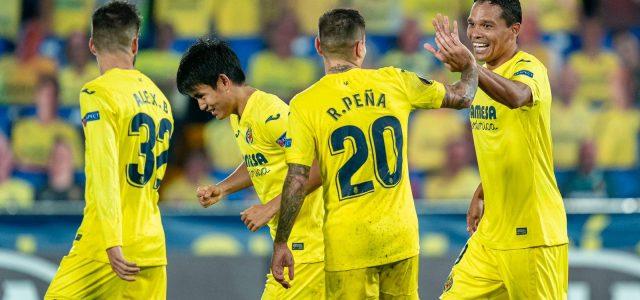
(203, 63)
(511, 10)
(115, 25)
(338, 29)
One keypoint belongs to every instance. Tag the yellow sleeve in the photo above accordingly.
(301, 147)
(529, 73)
(421, 92)
(275, 120)
(101, 158)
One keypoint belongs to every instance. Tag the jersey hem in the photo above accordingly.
(498, 246)
(388, 260)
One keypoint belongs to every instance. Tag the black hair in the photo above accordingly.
(511, 10)
(203, 63)
(115, 25)
(338, 29)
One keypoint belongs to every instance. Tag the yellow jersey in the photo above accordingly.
(522, 205)
(261, 136)
(127, 125)
(355, 123)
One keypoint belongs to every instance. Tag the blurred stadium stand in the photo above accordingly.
(37, 33)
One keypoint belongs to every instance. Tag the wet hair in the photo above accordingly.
(204, 62)
(339, 29)
(114, 26)
(511, 10)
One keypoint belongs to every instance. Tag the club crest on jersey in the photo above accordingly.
(283, 141)
(249, 136)
(90, 116)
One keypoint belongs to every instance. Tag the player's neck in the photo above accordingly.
(503, 58)
(110, 61)
(243, 93)
(332, 66)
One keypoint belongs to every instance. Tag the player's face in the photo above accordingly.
(489, 33)
(213, 101)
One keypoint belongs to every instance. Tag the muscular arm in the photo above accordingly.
(238, 180)
(511, 93)
(315, 181)
(460, 95)
(293, 193)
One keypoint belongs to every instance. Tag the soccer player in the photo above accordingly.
(119, 249)
(518, 249)
(355, 121)
(210, 73)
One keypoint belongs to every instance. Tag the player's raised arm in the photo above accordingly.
(460, 94)
(237, 181)
(512, 94)
(457, 58)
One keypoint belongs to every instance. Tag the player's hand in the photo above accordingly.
(209, 195)
(123, 268)
(475, 212)
(282, 258)
(258, 215)
(451, 51)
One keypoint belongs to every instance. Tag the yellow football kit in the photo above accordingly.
(355, 123)
(127, 125)
(523, 208)
(261, 136)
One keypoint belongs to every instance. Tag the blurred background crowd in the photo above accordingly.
(593, 59)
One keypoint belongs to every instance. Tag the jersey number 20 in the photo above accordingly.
(151, 162)
(360, 144)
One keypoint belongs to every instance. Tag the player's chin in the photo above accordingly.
(480, 56)
(219, 115)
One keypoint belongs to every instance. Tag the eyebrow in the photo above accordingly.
(481, 21)
(197, 96)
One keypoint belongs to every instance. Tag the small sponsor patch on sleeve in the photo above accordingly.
(426, 81)
(297, 246)
(283, 141)
(90, 116)
(524, 72)
(521, 231)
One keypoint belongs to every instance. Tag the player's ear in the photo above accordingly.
(360, 49)
(316, 43)
(224, 83)
(92, 47)
(515, 28)
(134, 46)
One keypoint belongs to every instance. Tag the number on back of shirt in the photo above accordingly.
(360, 143)
(155, 139)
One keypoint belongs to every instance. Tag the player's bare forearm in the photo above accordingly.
(460, 95)
(315, 178)
(238, 180)
(511, 93)
(314, 182)
(293, 194)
